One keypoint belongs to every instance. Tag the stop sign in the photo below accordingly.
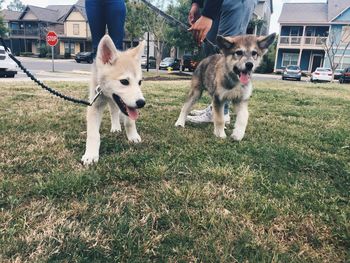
(51, 38)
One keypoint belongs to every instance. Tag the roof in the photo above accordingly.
(79, 8)
(52, 13)
(304, 13)
(313, 12)
(60, 9)
(10, 15)
(43, 14)
(336, 7)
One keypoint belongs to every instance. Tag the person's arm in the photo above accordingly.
(212, 8)
(201, 27)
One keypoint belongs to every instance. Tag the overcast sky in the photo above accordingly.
(277, 7)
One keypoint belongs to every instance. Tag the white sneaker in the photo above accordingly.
(206, 118)
(200, 112)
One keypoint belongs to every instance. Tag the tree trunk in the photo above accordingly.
(158, 56)
(132, 41)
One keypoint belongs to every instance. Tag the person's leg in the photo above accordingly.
(97, 22)
(235, 17)
(234, 20)
(115, 12)
(205, 115)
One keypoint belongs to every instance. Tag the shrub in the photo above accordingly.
(26, 54)
(43, 51)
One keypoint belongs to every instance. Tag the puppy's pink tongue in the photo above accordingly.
(133, 113)
(244, 78)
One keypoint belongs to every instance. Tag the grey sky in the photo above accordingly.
(277, 6)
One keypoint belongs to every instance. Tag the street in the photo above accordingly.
(70, 70)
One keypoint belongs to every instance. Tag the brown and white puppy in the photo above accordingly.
(227, 76)
(119, 76)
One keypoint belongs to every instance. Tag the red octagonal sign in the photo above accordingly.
(51, 38)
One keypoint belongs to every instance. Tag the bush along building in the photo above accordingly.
(308, 29)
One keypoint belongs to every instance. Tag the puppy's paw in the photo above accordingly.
(89, 159)
(237, 135)
(180, 123)
(220, 133)
(116, 129)
(134, 138)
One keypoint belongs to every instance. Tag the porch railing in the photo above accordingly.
(290, 40)
(24, 32)
(314, 41)
(301, 40)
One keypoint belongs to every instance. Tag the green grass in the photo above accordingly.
(182, 195)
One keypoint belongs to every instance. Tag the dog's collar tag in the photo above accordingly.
(98, 92)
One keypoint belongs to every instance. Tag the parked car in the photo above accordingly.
(173, 63)
(8, 68)
(337, 73)
(189, 62)
(345, 76)
(84, 56)
(292, 72)
(151, 62)
(321, 74)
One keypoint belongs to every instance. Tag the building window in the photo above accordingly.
(75, 29)
(69, 48)
(345, 35)
(290, 59)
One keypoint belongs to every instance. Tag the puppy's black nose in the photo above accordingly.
(249, 65)
(140, 103)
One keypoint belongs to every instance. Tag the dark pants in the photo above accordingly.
(110, 13)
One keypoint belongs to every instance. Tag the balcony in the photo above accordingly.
(314, 41)
(25, 32)
(290, 40)
(302, 41)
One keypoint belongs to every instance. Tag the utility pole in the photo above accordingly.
(147, 51)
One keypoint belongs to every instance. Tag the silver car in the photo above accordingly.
(292, 72)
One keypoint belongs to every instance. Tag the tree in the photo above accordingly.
(176, 36)
(257, 24)
(16, 5)
(157, 26)
(135, 24)
(3, 28)
(335, 47)
(268, 62)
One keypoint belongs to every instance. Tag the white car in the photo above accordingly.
(8, 67)
(322, 74)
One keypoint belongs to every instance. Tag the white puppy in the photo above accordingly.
(119, 76)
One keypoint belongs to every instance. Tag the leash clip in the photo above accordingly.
(98, 92)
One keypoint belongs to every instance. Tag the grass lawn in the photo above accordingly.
(182, 195)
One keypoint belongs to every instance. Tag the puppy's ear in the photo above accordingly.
(265, 42)
(224, 42)
(138, 51)
(107, 53)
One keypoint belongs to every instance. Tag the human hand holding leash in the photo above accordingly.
(201, 28)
